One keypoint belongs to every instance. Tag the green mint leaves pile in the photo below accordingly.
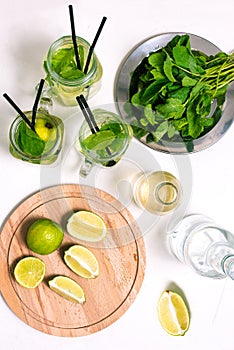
(178, 92)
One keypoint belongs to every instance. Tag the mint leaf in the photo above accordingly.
(149, 114)
(172, 108)
(184, 58)
(29, 142)
(167, 68)
(64, 64)
(156, 60)
(100, 140)
(160, 131)
(187, 81)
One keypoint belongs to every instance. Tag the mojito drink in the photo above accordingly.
(41, 146)
(106, 146)
(66, 81)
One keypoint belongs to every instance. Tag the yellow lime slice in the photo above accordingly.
(82, 261)
(173, 313)
(29, 272)
(67, 288)
(87, 226)
(45, 130)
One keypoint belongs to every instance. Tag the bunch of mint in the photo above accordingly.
(177, 92)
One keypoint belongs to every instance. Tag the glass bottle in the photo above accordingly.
(158, 192)
(66, 89)
(204, 246)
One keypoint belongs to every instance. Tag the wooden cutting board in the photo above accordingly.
(121, 256)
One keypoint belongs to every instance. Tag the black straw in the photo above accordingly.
(85, 114)
(88, 110)
(74, 37)
(23, 116)
(91, 122)
(91, 49)
(37, 99)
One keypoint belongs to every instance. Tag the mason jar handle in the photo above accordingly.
(46, 103)
(86, 167)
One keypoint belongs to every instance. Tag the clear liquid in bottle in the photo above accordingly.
(208, 249)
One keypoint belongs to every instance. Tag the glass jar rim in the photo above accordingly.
(68, 40)
(14, 127)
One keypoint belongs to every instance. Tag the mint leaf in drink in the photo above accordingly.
(29, 141)
(64, 64)
(100, 140)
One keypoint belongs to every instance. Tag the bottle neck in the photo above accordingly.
(221, 258)
(228, 266)
(166, 193)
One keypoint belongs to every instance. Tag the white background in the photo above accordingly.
(27, 29)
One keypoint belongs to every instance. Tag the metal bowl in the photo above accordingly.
(123, 79)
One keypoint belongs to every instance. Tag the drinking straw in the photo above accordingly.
(89, 117)
(88, 111)
(74, 37)
(85, 114)
(23, 116)
(37, 99)
(91, 49)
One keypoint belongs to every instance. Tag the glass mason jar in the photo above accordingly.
(41, 147)
(66, 89)
(107, 146)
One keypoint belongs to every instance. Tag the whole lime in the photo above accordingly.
(44, 236)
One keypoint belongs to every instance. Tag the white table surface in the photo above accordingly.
(27, 29)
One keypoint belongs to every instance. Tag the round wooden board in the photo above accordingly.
(121, 256)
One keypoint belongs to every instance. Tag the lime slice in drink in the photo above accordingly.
(45, 130)
(29, 272)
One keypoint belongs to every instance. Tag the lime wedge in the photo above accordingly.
(67, 288)
(82, 261)
(87, 226)
(173, 313)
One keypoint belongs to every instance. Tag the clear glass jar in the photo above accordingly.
(104, 156)
(158, 192)
(64, 89)
(23, 145)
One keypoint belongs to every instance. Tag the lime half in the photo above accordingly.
(29, 272)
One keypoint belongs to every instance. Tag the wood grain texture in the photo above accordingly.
(121, 256)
